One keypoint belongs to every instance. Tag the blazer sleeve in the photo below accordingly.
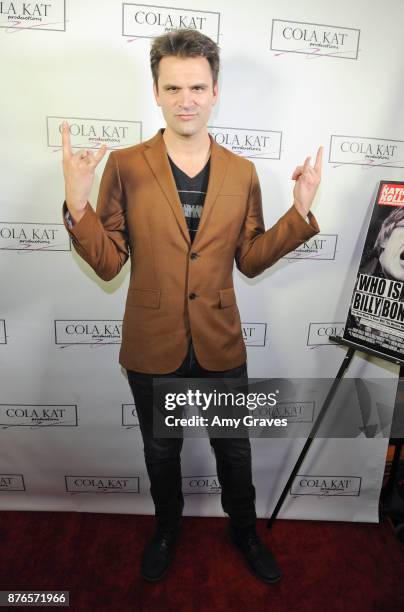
(101, 237)
(258, 249)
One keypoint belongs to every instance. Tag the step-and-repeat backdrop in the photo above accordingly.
(294, 76)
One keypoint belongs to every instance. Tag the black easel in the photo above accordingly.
(352, 347)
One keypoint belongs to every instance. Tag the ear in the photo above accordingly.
(215, 93)
(156, 95)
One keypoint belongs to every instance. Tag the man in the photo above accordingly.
(184, 208)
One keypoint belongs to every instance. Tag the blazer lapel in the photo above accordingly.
(218, 167)
(156, 155)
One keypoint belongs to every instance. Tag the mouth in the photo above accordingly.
(186, 117)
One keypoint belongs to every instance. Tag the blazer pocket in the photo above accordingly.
(148, 298)
(227, 297)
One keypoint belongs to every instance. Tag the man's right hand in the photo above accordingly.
(78, 170)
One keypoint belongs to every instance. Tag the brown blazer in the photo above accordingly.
(177, 291)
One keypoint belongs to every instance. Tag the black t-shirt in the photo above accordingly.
(192, 192)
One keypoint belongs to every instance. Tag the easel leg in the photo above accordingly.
(344, 366)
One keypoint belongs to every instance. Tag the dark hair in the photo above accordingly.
(184, 43)
(389, 224)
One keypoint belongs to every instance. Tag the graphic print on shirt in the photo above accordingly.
(192, 193)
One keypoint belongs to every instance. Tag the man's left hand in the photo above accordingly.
(307, 179)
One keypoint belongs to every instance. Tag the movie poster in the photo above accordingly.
(376, 313)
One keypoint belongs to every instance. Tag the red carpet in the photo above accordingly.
(327, 565)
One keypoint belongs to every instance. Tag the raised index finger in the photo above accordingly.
(66, 145)
(319, 160)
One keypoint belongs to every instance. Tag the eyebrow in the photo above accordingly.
(168, 85)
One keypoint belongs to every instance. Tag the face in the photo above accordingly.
(185, 94)
(392, 257)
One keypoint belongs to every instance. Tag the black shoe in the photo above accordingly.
(257, 556)
(159, 552)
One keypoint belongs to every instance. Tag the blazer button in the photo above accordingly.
(194, 255)
(192, 296)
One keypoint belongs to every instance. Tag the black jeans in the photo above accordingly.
(163, 461)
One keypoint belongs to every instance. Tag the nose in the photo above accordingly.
(185, 99)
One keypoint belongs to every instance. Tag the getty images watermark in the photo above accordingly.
(285, 408)
(202, 400)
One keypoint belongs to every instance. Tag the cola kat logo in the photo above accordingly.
(34, 237)
(129, 416)
(93, 133)
(319, 333)
(254, 334)
(37, 415)
(3, 334)
(12, 482)
(200, 485)
(148, 21)
(98, 331)
(314, 39)
(325, 486)
(102, 484)
(322, 246)
(17, 15)
(364, 151)
(294, 412)
(264, 144)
